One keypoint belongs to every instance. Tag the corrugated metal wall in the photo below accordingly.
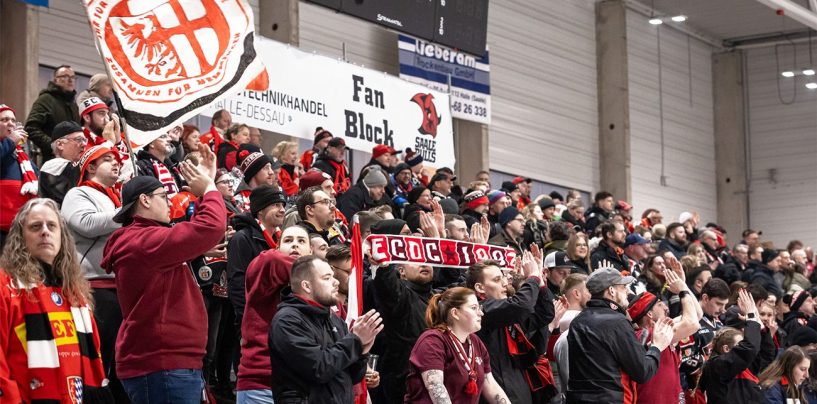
(689, 145)
(783, 147)
(543, 85)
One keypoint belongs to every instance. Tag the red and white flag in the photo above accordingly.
(169, 59)
(355, 298)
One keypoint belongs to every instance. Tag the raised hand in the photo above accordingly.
(605, 264)
(675, 266)
(427, 225)
(366, 327)
(746, 304)
(196, 180)
(111, 130)
(674, 283)
(438, 217)
(478, 235)
(529, 265)
(560, 307)
(662, 334)
(208, 160)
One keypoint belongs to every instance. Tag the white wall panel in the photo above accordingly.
(689, 145)
(544, 97)
(782, 138)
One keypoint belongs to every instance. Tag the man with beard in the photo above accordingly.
(267, 276)
(258, 169)
(524, 191)
(676, 240)
(401, 293)
(610, 252)
(801, 311)
(513, 326)
(369, 193)
(316, 358)
(402, 182)
(606, 359)
(154, 160)
(333, 162)
(513, 226)
(255, 231)
(317, 212)
(635, 248)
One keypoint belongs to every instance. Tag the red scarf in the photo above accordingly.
(112, 192)
(29, 177)
(270, 237)
(342, 182)
(164, 176)
(468, 361)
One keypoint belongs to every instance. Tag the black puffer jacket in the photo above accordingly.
(316, 359)
(403, 307)
(532, 308)
(593, 217)
(247, 243)
(53, 105)
(602, 348)
(606, 253)
(727, 379)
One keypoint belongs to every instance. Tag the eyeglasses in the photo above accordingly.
(327, 202)
(227, 181)
(161, 194)
(67, 77)
(79, 139)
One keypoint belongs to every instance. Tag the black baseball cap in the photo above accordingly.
(143, 184)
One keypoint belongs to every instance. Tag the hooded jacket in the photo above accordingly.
(357, 198)
(52, 106)
(266, 278)
(605, 358)
(164, 323)
(605, 252)
(247, 243)
(402, 304)
(726, 378)
(593, 217)
(531, 307)
(316, 359)
(764, 276)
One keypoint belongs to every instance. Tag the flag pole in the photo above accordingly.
(117, 100)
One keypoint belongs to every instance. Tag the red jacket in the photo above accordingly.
(164, 323)
(266, 277)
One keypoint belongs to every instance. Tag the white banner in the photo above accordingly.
(364, 107)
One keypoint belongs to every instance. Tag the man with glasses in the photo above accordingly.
(161, 344)
(54, 105)
(60, 174)
(513, 226)
(317, 212)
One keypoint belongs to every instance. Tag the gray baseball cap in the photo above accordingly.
(603, 278)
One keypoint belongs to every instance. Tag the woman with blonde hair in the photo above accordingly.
(449, 363)
(287, 154)
(49, 345)
(578, 251)
(782, 380)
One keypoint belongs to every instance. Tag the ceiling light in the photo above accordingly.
(679, 18)
(787, 74)
(811, 86)
(808, 72)
(656, 21)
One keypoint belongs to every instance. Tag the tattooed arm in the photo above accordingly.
(433, 379)
(492, 392)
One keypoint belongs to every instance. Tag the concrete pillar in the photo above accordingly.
(19, 58)
(278, 20)
(614, 98)
(730, 142)
(470, 150)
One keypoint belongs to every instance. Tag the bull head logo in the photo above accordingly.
(430, 118)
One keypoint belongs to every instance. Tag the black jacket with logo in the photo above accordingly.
(316, 359)
(727, 378)
(605, 357)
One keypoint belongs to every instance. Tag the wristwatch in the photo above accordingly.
(750, 316)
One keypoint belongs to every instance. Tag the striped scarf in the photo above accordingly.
(29, 177)
(164, 176)
(63, 352)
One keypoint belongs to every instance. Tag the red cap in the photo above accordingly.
(312, 178)
(519, 180)
(92, 153)
(382, 149)
(642, 304)
(4, 107)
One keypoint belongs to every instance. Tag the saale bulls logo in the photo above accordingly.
(430, 118)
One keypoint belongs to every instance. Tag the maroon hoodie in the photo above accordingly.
(267, 275)
(164, 323)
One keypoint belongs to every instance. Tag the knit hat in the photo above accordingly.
(313, 178)
(91, 154)
(375, 178)
(138, 185)
(388, 226)
(802, 337)
(97, 80)
(251, 162)
(4, 107)
(90, 105)
(64, 129)
(475, 199)
(264, 196)
(796, 299)
(401, 167)
(449, 206)
(641, 305)
(382, 149)
(337, 142)
(507, 215)
(413, 158)
(684, 216)
(495, 196)
(320, 134)
(556, 195)
(769, 254)
(415, 193)
(545, 203)
(509, 186)
(439, 176)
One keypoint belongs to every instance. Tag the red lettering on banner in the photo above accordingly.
(398, 249)
(432, 250)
